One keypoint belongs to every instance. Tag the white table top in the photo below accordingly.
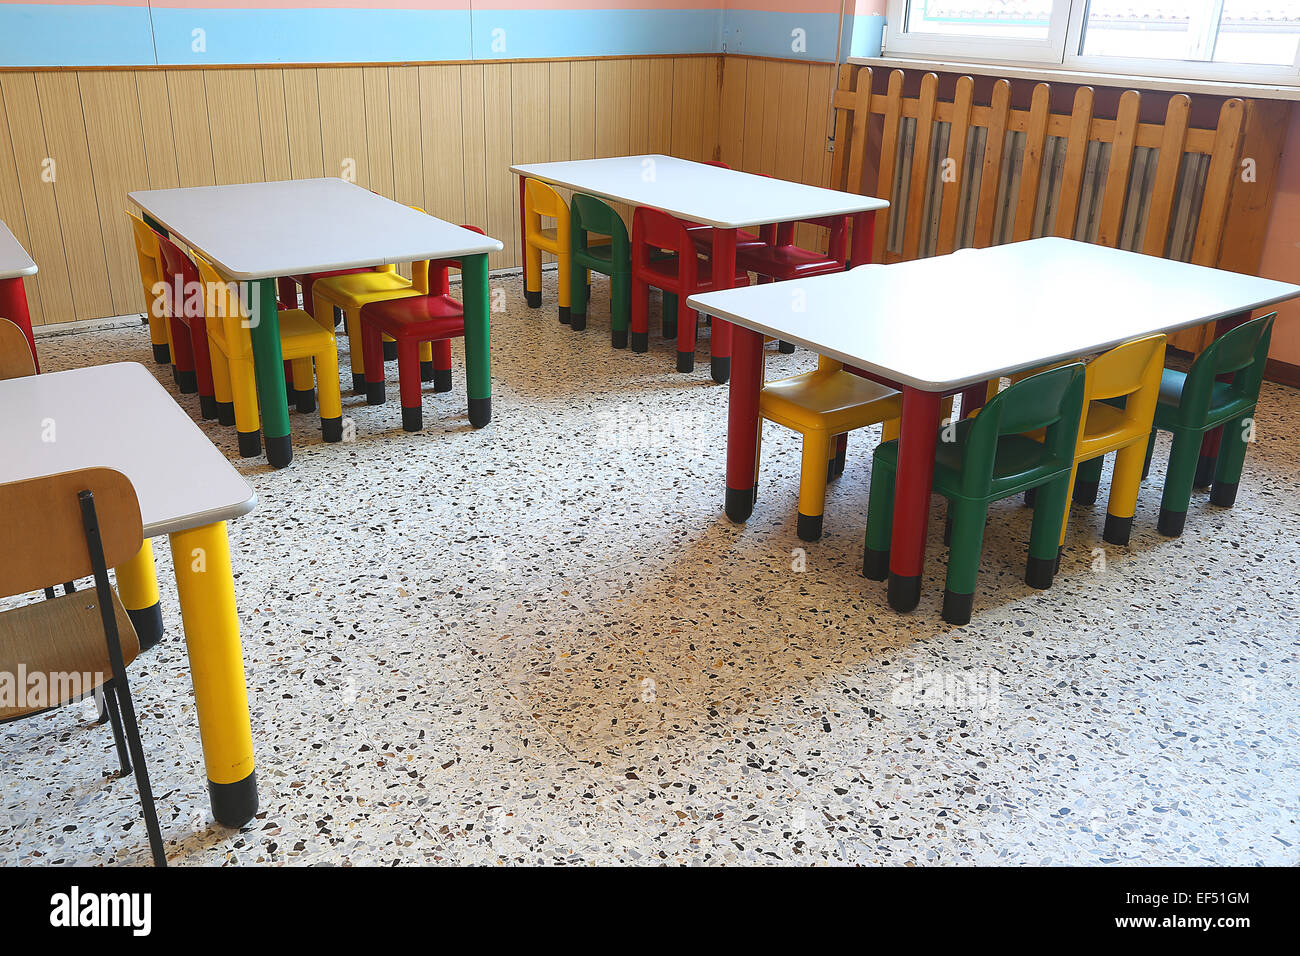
(267, 230)
(119, 417)
(949, 321)
(698, 192)
(14, 260)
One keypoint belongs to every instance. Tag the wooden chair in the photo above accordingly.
(15, 357)
(60, 528)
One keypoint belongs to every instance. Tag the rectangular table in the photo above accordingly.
(257, 232)
(933, 327)
(714, 196)
(15, 263)
(187, 490)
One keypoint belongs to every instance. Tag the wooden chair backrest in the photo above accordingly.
(15, 354)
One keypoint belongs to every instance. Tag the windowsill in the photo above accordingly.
(1128, 81)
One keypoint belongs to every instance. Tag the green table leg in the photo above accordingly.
(268, 367)
(478, 360)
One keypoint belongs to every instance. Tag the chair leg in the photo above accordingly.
(132, 731)
(639, 318)
(688, 328)
(566, 287)
(841, 453)
(327, 387)
(426, 361)
(968, 518)
(1151, 448)
(408, 384)
(372, 341)
(304, 385)
(1232, 458)
(1179, 475)
(668, 315)
(880, 522)
(812, 484)
(1124, 486)
(1046, 532)
(579, 293)
(221, 384)
(442, 365)
(243, 391)
(533, 276)
(1088, 481)
(620, 301)
(183, 358)
(108, 697)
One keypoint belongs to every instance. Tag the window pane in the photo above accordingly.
(1250, 31)
(1024, 19)
(1258, 31)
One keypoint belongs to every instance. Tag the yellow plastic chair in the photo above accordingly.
(149, 259)
(1130, 372)
(540, 200)
(15, 354)
(821, 405)
(302, 342)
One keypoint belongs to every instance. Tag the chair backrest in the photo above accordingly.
(589, 214)
(42, 535)
(1241, 353)
(15, 354)
(1131, 371)
(652, 231)
(148, 258)
(183, 294)
(224, 308)
(1051, 401)
(543, 200)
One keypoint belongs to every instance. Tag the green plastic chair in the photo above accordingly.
(1220, 389)
(985, 459)
(589, 214)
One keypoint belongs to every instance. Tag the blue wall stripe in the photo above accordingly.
(72, 35)
(768, 33)
(511, 34)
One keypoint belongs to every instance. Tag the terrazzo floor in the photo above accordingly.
(542, 642)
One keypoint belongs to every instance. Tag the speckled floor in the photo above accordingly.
(542, 642)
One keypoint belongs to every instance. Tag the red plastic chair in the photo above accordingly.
(186, 311)
(436, 318)
(680, 274)
(779, 259)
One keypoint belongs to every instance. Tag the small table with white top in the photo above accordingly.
(725, 199)
(255, 233)
(15, 264)
(187, 490)
(934, 327)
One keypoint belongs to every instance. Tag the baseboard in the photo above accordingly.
(1283, 373)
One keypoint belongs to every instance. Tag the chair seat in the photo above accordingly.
(301, 335)
(662, 274)
(360, 288)
(425, 317)
(1104, 431)
(786, 262)
(64, 635)
(1225, 403)
(837, 401)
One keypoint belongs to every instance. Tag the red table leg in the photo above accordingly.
(13, 306)
(864, 238)
(918, 433)
(724, 274)
(973, 397)
(742, 421)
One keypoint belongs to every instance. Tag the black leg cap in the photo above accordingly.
(1205, 466)
(226, 413)
(957, 607)
(786, 347)
(875, 564)
(375, 393)
(904, 591)
(234, 804)
(686, 361)
(162, 354)
(1040, 571)
(1223, 494)
(187, 382)
(426, 371)
(740, 504)
(577, 321)
(1117, 530)
(640, 341)
(332, 428)
(442, 380)
(250, 444)
(1171, 523)
(565, 315)
(534, 299)
(358, 383)
(480, 411)
(305, 399)
(670, 329)
(721, 369)
(390, 351)
(148, 625)
(279, 451)
(618, 338)
(208, 407)
(412, 419)
(810, 527)
(1085, 492)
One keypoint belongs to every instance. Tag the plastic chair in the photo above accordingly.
(985, 459)
(779, 259)
(59, 528)
(148, 258)
(541, 201)
(186, 311)
(1119, 399)
(302, 342)
(821, 405)
(414, 322)
(607, 252)
(15, 354)
(1221, 389)
(679, 274)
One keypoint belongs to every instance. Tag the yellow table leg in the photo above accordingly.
(137, 586)
(206, 588)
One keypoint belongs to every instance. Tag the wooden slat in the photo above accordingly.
(502, 188)
(1263, 136)
(582, 111)
(1076, 152)
(12, 209)
(792, 107)
(343, 124)
(529, 110)
(236, 140)
(1218, 183)
(958, 136)
(885, 176)
(660, 113)
(842, 126)
(994, 147)
(1031, 166)
(442, 152)
(1166, 181)
(472, 103)
(156, 125)
(613, 121)
(190, 131)
(712, 108)
(302, 107)
(1121, 164)
(919, 186)
(273, 121)
(639, 109)
(406, 121)
(751, 158)
(856, 143)
(379, 125)
(731, 140)
(687, 124)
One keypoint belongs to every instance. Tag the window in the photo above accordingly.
(1244, 40)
